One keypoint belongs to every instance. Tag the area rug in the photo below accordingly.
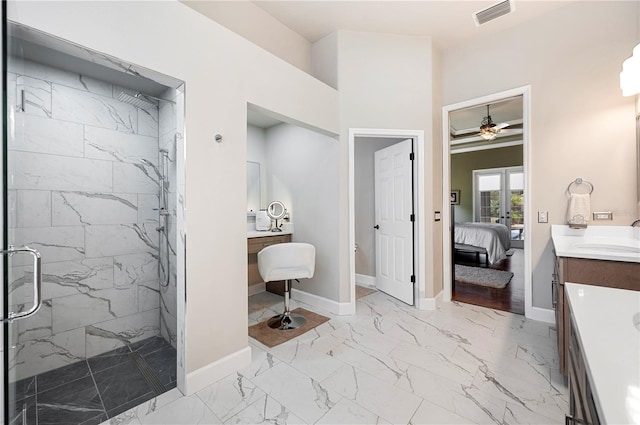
(483, 277)
(272, 337)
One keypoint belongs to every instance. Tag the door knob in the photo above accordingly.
(376, 227)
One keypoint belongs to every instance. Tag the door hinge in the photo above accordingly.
(411, 156)
(412, 217)
(413, 278)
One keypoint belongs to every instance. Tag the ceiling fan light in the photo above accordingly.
(488, 136)
(489, 131)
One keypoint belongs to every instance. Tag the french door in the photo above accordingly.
(498, 197)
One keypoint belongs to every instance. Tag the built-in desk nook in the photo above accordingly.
(256, 241)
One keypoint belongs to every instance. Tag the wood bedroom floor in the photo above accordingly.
(510, 298)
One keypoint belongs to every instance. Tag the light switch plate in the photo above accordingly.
(543, 216)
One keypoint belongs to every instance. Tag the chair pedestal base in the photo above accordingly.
(286, 321)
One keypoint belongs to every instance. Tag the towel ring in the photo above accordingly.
(578, 182)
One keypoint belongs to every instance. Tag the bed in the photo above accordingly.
(491, 239)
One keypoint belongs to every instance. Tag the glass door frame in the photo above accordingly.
(5, 221)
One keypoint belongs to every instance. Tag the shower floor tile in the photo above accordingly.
(110, 359)
(150, 345)
(73, 402)
(57, 377)
(163, 365)
(101, 387)
(121, 384)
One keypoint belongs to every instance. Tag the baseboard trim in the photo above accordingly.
(207, 375)
(255, 289)
(365, 280)
(430, 303)
(542, 315)
(323, 303)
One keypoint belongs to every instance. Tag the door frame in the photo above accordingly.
(525, 92)
(419, 243)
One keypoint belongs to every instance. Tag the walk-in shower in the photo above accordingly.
(93, 182)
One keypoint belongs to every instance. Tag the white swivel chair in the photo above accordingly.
(287, 261)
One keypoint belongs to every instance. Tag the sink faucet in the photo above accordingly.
(636, 223)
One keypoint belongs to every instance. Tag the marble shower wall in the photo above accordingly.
(84, 184)
(168, 241)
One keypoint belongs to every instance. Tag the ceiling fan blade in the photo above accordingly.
(503, 125)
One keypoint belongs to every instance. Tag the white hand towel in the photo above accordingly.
(579, 209)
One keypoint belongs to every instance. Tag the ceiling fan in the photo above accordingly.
(488, 129)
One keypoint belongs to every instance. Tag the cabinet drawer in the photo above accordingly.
(255, 245)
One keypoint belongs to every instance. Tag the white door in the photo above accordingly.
(394, 225)
(499, 198)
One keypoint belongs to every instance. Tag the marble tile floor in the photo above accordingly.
(388, 364)
(101, 387)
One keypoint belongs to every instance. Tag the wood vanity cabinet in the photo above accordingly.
(255, 245)
(582, 408)
(613, 274)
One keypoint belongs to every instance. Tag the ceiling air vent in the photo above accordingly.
(493, 12)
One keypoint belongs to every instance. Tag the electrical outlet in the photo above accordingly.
(543, 216)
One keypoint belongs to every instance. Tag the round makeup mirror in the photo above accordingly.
(276, 211)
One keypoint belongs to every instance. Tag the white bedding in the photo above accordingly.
(493, 237)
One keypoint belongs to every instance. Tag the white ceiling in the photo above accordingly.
(261, 120)
(447, 22)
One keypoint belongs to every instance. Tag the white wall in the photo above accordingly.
(385, 82)
(581, 125)
(303, 175)
(364, 182)
(436, 172)
(324, 59)
(222, 72)
(257, 26)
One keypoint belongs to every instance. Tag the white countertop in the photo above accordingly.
(611, 348)
(614, 243)
(263, 233)
(287, 229)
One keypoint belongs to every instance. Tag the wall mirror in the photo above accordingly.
(254, 200)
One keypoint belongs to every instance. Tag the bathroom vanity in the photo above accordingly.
(604, 372)
(606, 256)
(256, 241)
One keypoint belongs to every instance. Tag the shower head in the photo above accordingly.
(138, 100)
